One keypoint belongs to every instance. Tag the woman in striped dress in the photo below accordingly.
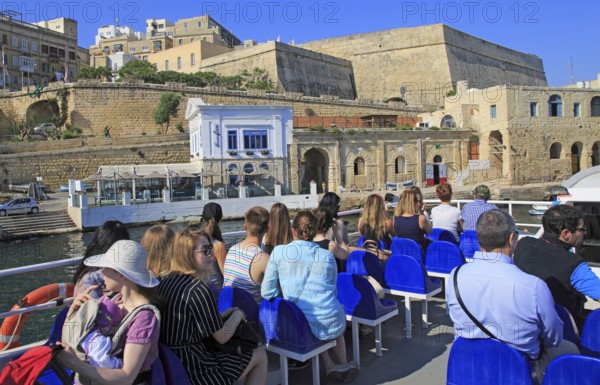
(191, 317)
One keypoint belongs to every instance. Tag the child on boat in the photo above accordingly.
(97, 343)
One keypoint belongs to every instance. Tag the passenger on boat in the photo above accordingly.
(307, 275)
(279, 231)
(371, 244)
(191, 317)
(445, 216)
(97, 344)
(245, 263)
(471, 211)
(339, 248)
(104, 237)
(331, 201)
(374, 214)
(212, 213)
(157, 241)
(550, 258)
(124, 269)
(409, 217)
(498, 293)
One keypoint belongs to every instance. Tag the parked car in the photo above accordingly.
(19, 206)
(45, 127)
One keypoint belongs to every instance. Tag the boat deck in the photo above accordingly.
(421, 360)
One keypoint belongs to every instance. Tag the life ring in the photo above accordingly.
(10, 331)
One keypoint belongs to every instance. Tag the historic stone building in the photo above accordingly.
(421, 64)
(526, 134)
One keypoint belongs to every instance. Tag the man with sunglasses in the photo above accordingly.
(551, 258)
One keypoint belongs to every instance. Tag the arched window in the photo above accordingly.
(437, 159)
(232, 168)
(596, 106)
(555, 150)
(555, 106)
(399, 165)
(448, 122)
(359, 166)
(249, 168)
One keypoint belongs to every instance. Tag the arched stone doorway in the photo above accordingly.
(316, 164)
(596, 154)
(43, 111)
(576, 157)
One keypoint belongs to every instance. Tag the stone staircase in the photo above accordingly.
(43, 223)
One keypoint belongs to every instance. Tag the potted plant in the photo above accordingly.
(249, 152)
(232, 152)
(264, 152)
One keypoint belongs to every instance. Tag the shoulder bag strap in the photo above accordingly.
(467, 312)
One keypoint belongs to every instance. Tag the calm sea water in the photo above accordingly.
(63, 246)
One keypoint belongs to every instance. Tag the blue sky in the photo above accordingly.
(556, 31)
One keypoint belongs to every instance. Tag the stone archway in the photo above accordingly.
(595, 156)
(42, 111)
(576, 157)
(316, 165)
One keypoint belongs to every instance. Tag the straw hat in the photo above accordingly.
(128, 258)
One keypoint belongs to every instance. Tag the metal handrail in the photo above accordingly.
(43, 306)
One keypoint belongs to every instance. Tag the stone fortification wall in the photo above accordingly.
(57, 163)
(126, 108)
(293, 69)
(427, 61)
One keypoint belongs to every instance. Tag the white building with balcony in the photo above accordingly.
(235, 144)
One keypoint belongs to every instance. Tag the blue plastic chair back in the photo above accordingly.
(408, 247)
(468, 243)
(486, 361)
(404, 273)
(442, 257)
(236, 297)
(569, 328)
(361, 262)
(172, 367)
(438, 234)
(359, 298)
(361, 241)
(286, 326)
(590, 337)
(573, 369)
(157, 373)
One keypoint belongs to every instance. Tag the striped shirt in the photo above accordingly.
(190, 315)
(236, 270)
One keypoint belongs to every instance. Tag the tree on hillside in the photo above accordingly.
(101, 73)
(166, 109)
(138, 70)
(257, 79)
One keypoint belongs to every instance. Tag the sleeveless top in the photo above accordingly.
(408, 227)
(237, 269)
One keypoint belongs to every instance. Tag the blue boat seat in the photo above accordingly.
(408, 247)
(363, 307)
(570, 332)
(438, 234)
(469, 244)
(235, 297)
(590, 337)
(173, 369)
(288, 334)
(486, 361)
(362, 262)
(406, 277)
(573, 369)
(441, 258)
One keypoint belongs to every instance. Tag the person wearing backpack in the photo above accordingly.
(136, 338)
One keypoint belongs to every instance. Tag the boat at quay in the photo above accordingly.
(421, 359)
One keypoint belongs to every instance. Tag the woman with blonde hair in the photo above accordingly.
(374, 215)
(191, 317)
(280, 228)
(156, 241)
(409, 219)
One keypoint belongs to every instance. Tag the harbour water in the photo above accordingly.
(63, 246)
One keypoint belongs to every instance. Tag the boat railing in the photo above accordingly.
(352, 235)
